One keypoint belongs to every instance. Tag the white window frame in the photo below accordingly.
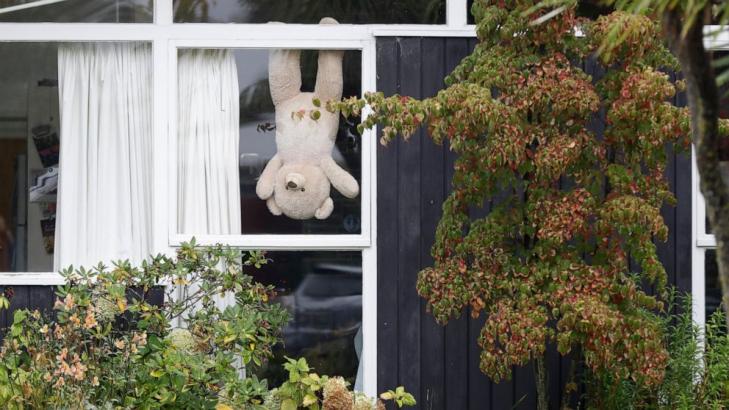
(166, 38)
(262, 40)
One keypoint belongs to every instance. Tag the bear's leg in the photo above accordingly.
(273, 207)
(325, 209)
(341, 179)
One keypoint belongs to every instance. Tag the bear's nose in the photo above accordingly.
(295, 181)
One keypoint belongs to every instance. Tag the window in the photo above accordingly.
(323, 293)
(93, 99)
(257, 144)
(295, 11)
(29, 150)
(84, 11)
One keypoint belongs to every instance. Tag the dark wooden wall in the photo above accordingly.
(43, 298)
(34, 297)
(440, 364)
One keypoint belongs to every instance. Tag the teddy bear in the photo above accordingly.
(297, 180)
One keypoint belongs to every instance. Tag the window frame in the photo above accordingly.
(366, 46)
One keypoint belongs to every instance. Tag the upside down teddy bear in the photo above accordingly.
(297, 180)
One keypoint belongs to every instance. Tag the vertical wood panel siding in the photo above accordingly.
(43, 298)
(440, 364)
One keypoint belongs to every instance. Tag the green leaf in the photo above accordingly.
(388, 395)
(288, 404)
(408, 399)
(157, 373)
(309, 399)
(19, 316)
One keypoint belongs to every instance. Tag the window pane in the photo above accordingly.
(29, 149)
(77, 11)
(256, 147)
(90, 201)
(296, 11)
(323, 293)
(711, 278)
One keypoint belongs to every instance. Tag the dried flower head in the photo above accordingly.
(182, 339)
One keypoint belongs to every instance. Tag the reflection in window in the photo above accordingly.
(29, 151)
(712, 285)
(310, 12)
(323, 294)
(77, 11)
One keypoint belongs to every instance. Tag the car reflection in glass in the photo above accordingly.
(326, 313)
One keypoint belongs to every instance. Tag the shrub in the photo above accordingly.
(107, 346)
(696, 375)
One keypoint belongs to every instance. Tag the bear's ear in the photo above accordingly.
(329, 79)
(284, 74)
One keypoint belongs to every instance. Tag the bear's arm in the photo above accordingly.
(264, 187)
(341, 179)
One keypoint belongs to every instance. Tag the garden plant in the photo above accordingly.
(106, 346)
(696, 374)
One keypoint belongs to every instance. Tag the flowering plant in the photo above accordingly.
(108, 346)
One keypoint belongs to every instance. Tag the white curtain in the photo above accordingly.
(105, 179)
(208, 130)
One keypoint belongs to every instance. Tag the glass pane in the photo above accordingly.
(296, 11)
(257, 145)
(323, 293)
(29, 149)
(711, 278)
(104, 168)
(77, 11)
(586, 8)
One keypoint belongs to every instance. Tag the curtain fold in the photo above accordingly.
(208, 131)
(105, 179)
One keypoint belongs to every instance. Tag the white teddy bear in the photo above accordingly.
(296, 181)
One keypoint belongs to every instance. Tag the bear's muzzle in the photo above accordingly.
(295, 181)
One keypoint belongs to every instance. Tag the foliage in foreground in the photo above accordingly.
(106, 346)
(572, 168)
(697, 372)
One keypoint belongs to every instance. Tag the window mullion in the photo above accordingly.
(456, 13)
(163, 12)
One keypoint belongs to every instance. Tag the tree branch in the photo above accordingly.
(711, 151)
